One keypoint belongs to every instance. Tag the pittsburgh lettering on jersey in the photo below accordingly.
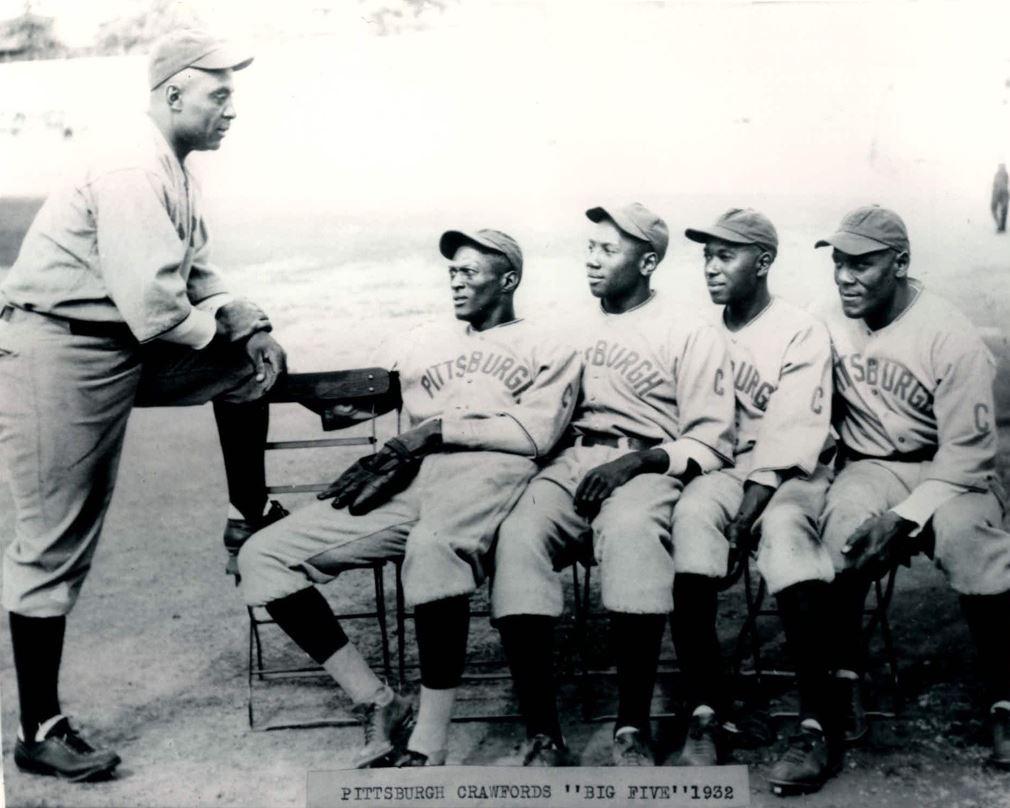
(748, 383)
(885, 374)
(514, 376)
(643, 375)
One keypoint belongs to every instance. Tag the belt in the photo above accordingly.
(80, 328)
(588, 438)
(918, 456)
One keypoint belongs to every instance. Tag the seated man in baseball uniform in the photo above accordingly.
(775, 491)
(915, 416)
(113, 303)
(656, 407)
(483, 399)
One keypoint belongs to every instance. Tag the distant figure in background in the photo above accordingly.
(113, 303)
(1000, 198)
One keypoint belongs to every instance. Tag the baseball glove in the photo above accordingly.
(374, 479)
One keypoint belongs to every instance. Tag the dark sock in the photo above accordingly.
(38, 648)
(528, 640)
(845, 613)
(442, 628)
(695, 599)
(636, 639)
(307, 619)
(988, 617)
(803, 608)
(242, 429)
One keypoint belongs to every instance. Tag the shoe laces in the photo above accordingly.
(368, 720)
(800, 745)
(65, 732)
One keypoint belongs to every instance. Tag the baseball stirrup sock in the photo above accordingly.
(242, 429)
(802, 608)
(442, 627)
(528, 640)
(38, 648)
(988, 617)
(636, 639)
(307, 619)
(695, 599)
(845, 621)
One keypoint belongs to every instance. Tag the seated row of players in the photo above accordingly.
(661, 442)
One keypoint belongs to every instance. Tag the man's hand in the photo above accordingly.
(373, 480)
(267, 356)
(740, 532)
(877, 543)
(239, 319)
(601, 481)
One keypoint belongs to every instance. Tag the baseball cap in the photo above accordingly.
(493, 240)
(638, 222)
(869, 229)
(190, 48)
(738, 226)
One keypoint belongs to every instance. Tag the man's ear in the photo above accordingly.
(901, 262)
(509, 280)
(763, 263)
(647, 263)
(173, 96)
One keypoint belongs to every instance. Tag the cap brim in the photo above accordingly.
(853, 244)
(224, 58)
(716, 232)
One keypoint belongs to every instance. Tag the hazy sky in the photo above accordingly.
(532, 98)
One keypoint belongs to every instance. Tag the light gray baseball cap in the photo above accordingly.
(638, 222)
(186, 47)
(493, 240)
(869, 229)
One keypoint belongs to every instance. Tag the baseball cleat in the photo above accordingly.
(850, 698)
(238, 531)
(806, 765)
(410, 759)
(1000, 717)
(386, 729)
(630, 750)
(543, 750)
(701, 746)
(64, 753)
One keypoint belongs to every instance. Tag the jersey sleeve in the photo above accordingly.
(965, 458)
(205, 280)
(797, 423)
(705, 400)
(539, 416)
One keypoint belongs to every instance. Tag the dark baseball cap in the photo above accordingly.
(638, 222)
(493, 240)
(869, 229)
(738, 226)
(191, 48)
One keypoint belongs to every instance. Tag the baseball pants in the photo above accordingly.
(64, 403)
(971, 546)
(629, 539)
(789, 547)
(442, 525)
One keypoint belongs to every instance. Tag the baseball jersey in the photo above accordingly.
(920, 386)
(658, 372)
(782, 377)
(122, 240)
(510, 388)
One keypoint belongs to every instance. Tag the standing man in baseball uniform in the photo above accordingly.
(484, 400)
(916, 421)
(112, 302)
(656, 408)
(1000, 198)
(775, 491)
